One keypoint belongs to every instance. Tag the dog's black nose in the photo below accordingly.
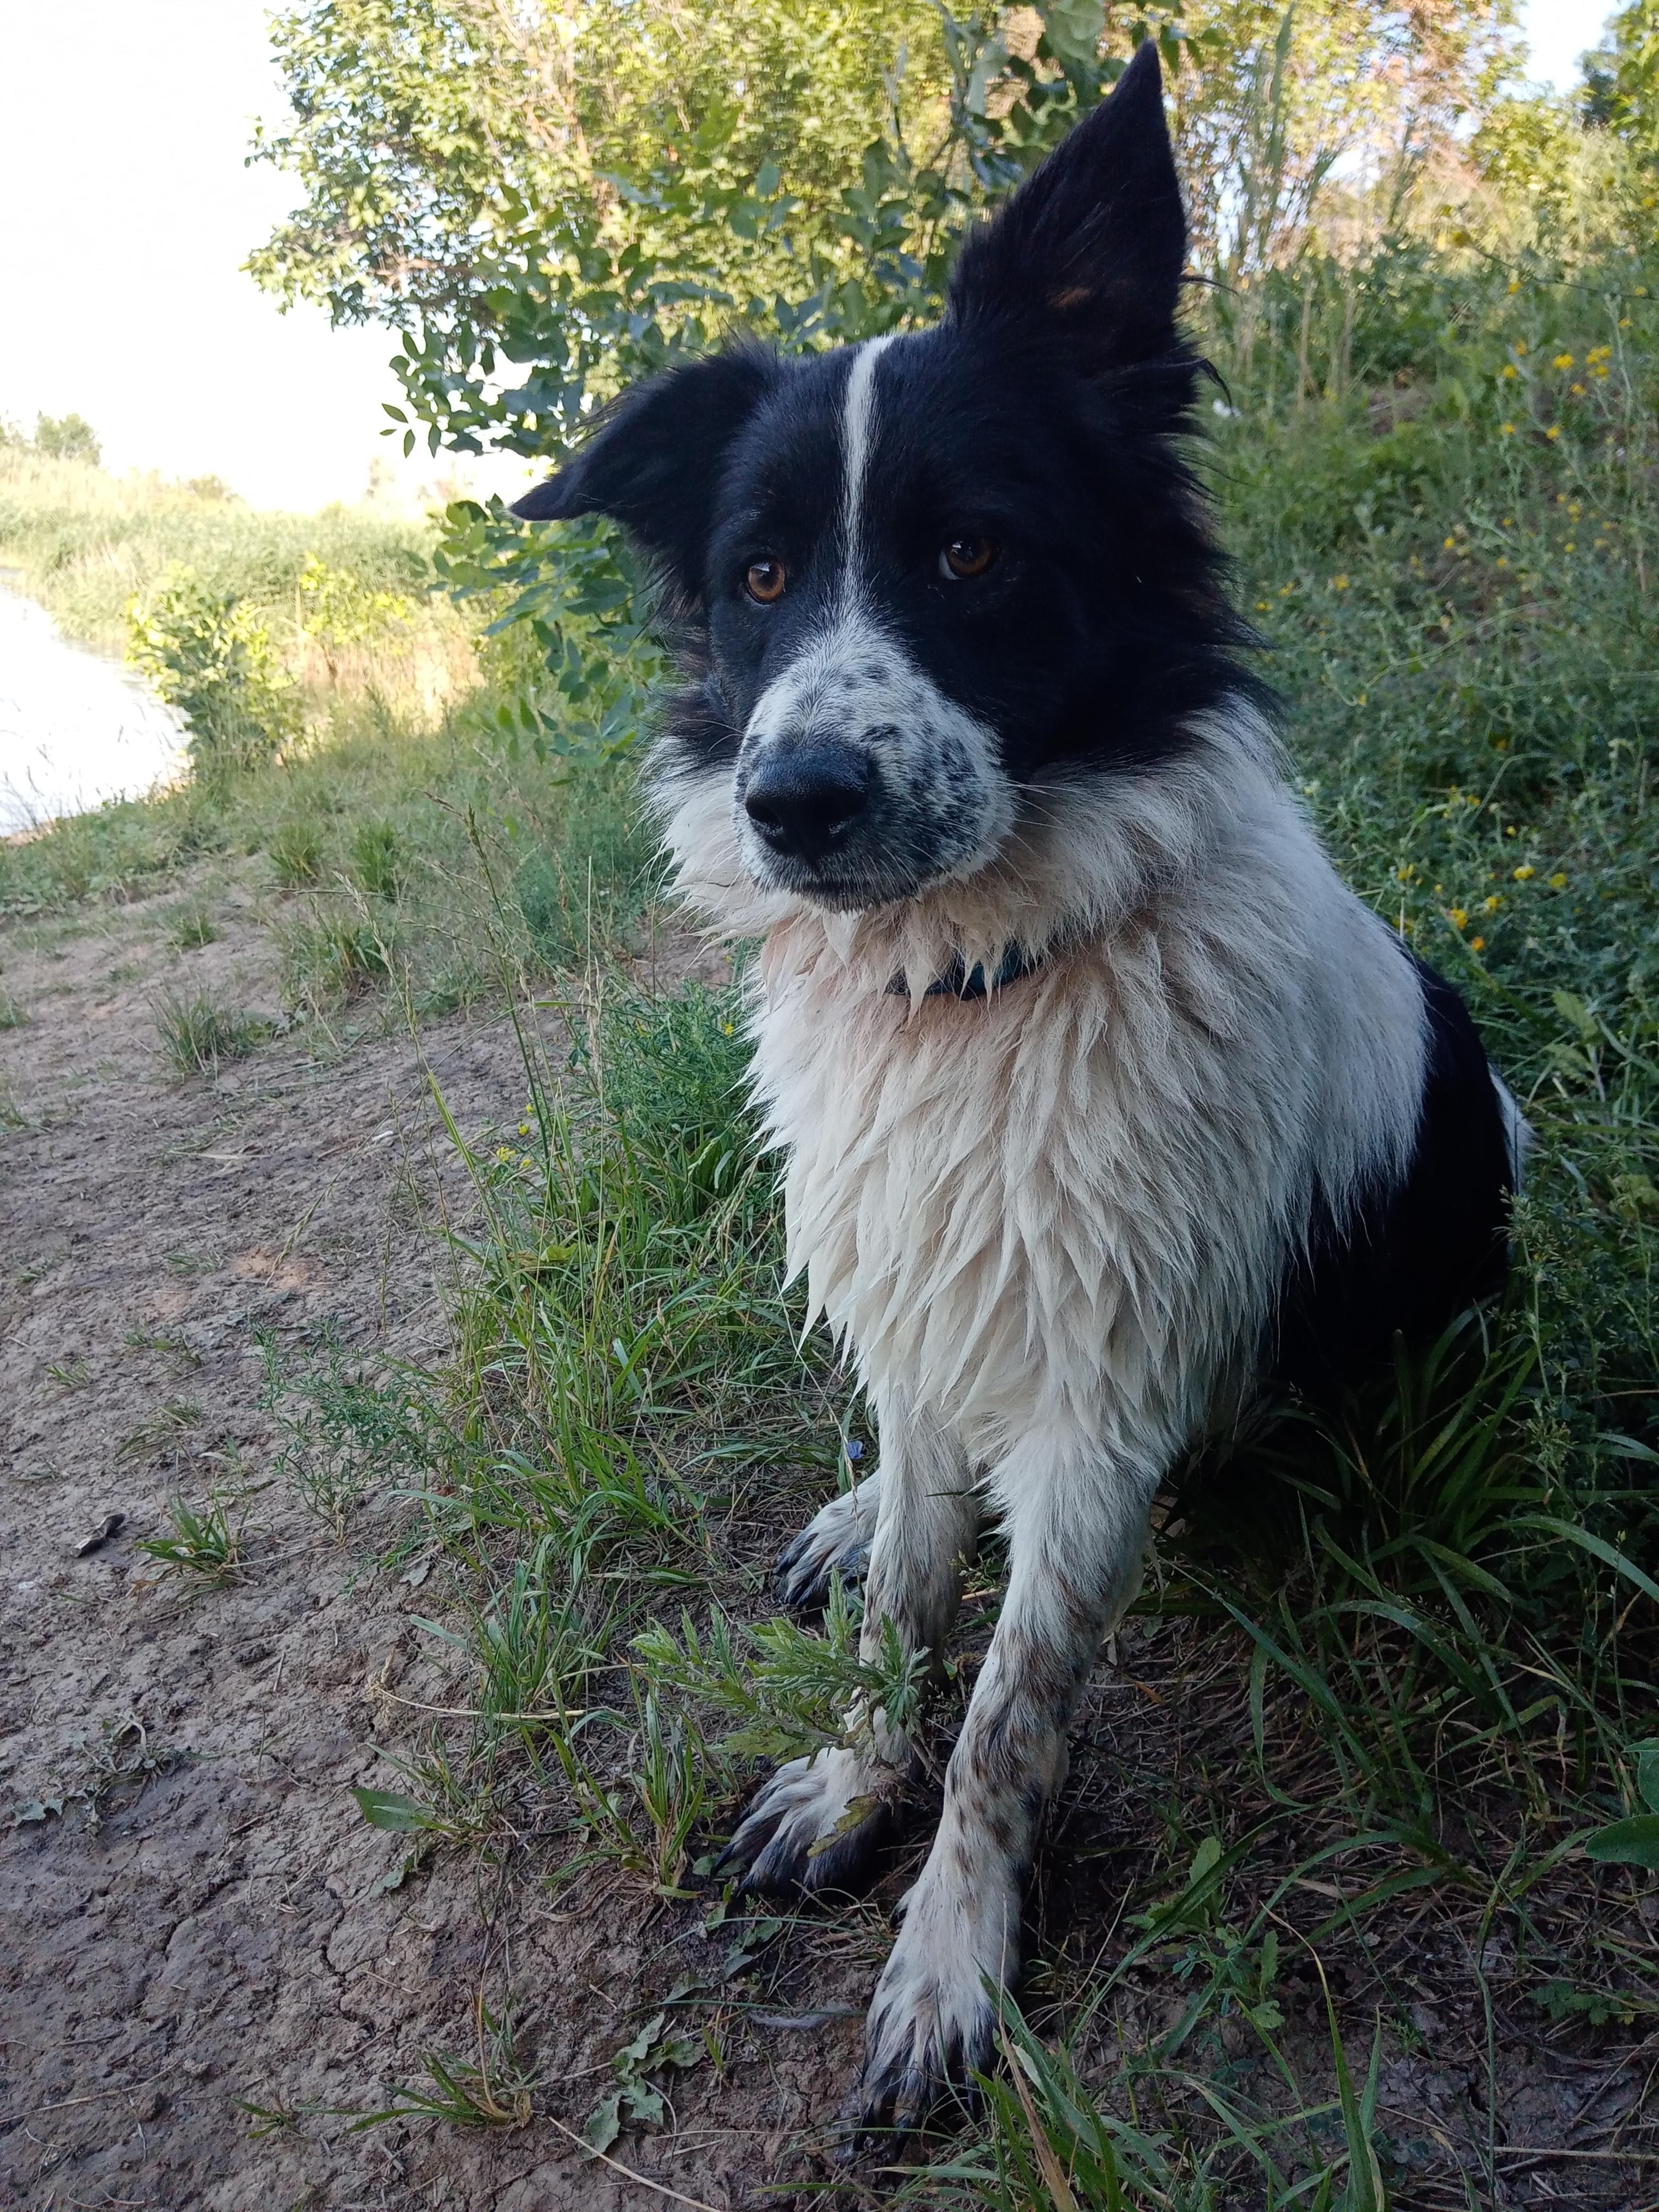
(803, 801)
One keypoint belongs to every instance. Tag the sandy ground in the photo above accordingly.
(194, 1918)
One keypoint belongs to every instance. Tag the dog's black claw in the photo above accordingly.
(791, 1839)
(804, 1571)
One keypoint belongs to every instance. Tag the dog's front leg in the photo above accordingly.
(815, 1823)
(1076, 1533)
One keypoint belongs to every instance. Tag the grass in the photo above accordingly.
(85, 543)
(195, 1034)
(193, 926)
(202, 1545)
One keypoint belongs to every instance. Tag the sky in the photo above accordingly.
(129, 212)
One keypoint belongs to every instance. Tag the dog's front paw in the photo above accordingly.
(933, 2019)
(814, 1825)
(835, 1540)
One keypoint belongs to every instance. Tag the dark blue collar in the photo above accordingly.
(958, 981)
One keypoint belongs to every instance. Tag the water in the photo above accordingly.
(74, 730)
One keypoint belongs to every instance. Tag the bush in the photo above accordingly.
(210, 655)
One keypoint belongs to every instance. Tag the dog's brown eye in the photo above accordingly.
(967, 556)
(765, 581)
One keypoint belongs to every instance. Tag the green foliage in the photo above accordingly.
(344, 1433)
(210, 655)
(202, 1543)
(88, 544)
(330, 953)
(1622, 80)
(339, 610)
(1633, 1841)
(66, 438)
(654, 2049)
(790, 1692)
(377, 861)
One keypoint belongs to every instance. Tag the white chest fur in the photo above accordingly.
(1071, 1201)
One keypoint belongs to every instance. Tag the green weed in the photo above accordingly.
(203, 1546)
(196, 1035)
(493, 2090)
(378, 866)
(296, 852)
(193, 926)
(330, 955)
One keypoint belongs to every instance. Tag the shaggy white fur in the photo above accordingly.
(1073, 1199)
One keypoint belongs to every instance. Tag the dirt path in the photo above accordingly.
(193, 1916)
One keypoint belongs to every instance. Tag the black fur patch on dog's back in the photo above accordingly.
(1408, 1258)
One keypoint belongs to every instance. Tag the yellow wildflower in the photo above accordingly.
(1338, 583)
(1576, 390)
(1506, 430)
(1492, 902)
(1558, 881)
(1553, 432)
(1460, 919)
(1477, 944)
(1510, 370)
(1525, 872)
(1562, 360)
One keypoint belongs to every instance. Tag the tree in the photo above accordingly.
(1621, 79)
(66, 438)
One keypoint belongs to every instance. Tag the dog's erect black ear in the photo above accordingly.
(1095, 241)
(653, 461)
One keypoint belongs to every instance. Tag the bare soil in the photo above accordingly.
(211, 1967)
(193, 1915)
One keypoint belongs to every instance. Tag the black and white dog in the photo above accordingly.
(1101, 1095)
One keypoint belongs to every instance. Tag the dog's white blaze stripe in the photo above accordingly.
(858, 423)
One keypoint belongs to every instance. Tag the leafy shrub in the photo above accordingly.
(210, 655)
(339, 610)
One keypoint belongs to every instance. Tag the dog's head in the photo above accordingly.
(932, 578)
